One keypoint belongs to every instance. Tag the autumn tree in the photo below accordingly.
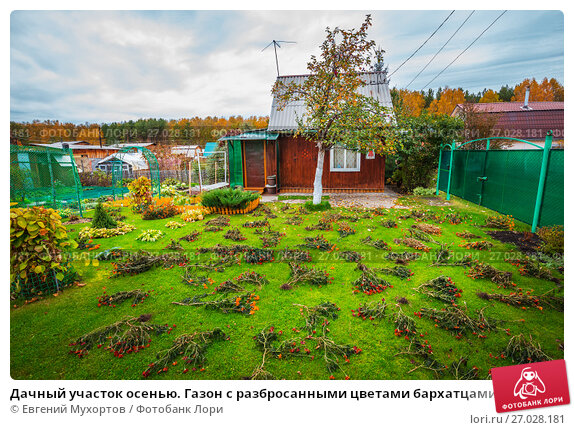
(449, 98)
(489, 96)
(546, 91)
(411, 102)
(336, 114)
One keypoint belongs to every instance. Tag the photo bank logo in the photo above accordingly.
(530, 386)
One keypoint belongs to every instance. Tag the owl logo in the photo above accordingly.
(529, 384)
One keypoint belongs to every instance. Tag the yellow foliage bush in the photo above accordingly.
(196, 213)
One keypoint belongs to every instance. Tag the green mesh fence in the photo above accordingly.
(42, 284)
(552, 210)
(507, 181)
(44, 177)
(141, 155)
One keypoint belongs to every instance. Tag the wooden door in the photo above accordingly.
(254, 164)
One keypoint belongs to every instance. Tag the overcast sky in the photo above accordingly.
(115, 66)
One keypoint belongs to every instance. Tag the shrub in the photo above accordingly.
(140, 191)
(95, 178)
(102, 219)
(159, 209)
(37, 239)
(553, 238)
(323, 206)
(228, 198)
(66, 213)
(172, 182)
(421, 191)
(194, 214)
(150, 235)
(96, 233)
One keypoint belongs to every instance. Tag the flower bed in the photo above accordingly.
(229, 211)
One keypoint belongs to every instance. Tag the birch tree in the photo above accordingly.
(335, 113)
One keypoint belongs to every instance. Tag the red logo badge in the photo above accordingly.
(529, 386)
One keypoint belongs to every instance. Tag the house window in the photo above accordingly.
(345, 160)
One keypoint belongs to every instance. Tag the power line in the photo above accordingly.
(417, 50)
(440, 50)
(465, 49)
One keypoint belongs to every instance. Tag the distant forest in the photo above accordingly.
(189, 131)
(196, 131)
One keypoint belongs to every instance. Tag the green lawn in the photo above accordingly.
(41, 331)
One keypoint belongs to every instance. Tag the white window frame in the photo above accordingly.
(346, 154)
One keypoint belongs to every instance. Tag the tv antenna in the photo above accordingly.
(276, 44)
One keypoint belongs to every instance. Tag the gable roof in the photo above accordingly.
(134, 159)
(376, 86)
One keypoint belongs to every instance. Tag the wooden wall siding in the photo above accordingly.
(298, 161)
(253, 164)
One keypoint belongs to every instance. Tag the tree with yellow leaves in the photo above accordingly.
(489, 97)
(411, 102)
(546, 91)
(448, 100)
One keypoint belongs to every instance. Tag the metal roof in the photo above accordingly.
(376, 86)
(74, 145)
(511, 106)
(528, 124)
(252, 135)
(137, 144)
(134, 159)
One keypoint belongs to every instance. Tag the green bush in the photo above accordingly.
(553, 239)
(421, 191)
(228, 198)
(37, 239)
(323, 206)
(418, 148)
(102, 219)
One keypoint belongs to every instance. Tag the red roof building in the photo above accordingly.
(530, 121)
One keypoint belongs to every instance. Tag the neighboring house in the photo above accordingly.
(187, 150)
(131, 162)
(258, 154)
(522, 120)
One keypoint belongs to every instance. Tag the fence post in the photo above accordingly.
(438, 171)
(542, 180)
(450, 169)
(189, 183)
(199, 172)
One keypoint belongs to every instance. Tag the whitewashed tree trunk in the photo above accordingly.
(318, 184)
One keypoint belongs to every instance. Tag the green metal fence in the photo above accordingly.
(526, 183)
(46, 177)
